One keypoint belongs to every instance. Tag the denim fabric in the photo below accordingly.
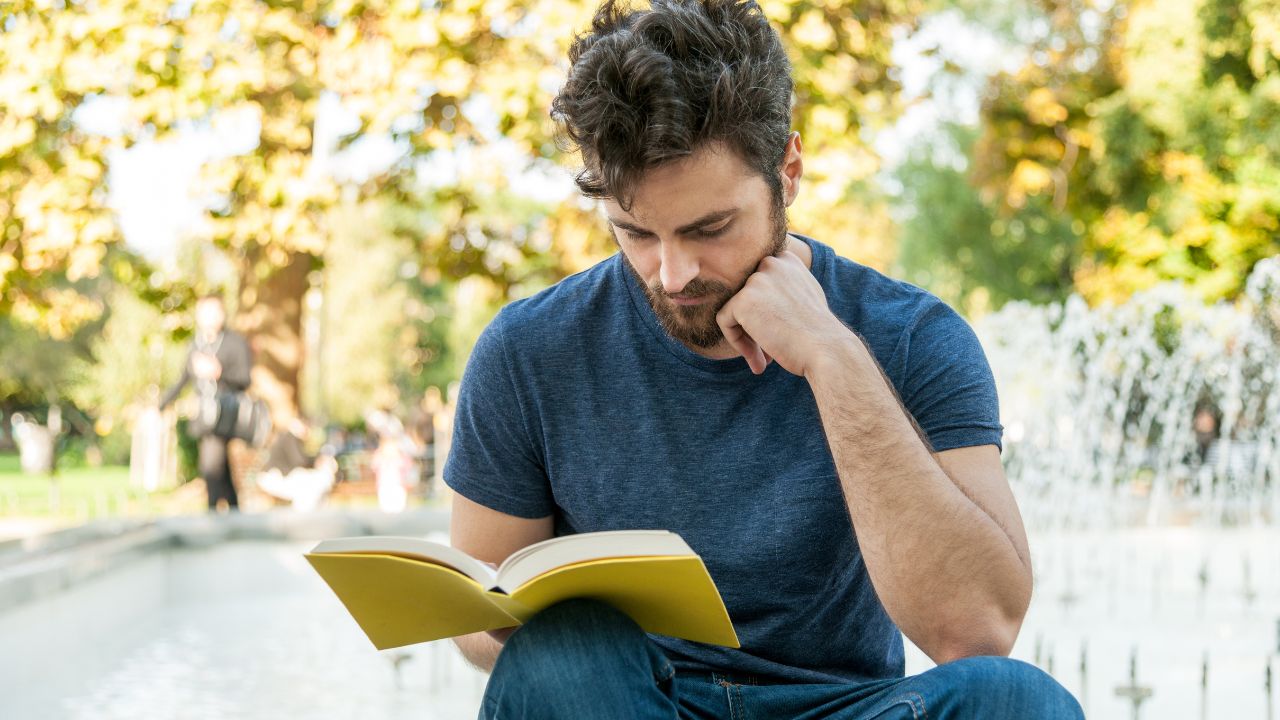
(582, 659)
(575, 403)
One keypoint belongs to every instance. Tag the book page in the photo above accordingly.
(534, 560)
(413, 549)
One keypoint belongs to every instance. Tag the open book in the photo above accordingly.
(404, 590)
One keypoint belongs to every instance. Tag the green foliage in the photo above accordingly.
(33, 366)
(381, 326)
(434, 78)
(963, 249)
(128, 364)
(1157, 133)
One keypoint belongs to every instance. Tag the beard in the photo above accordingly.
(695, 325)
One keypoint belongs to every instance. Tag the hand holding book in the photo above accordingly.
(501, 634)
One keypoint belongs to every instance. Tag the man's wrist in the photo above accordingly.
(841, 352)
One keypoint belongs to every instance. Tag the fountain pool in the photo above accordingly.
(245, 630)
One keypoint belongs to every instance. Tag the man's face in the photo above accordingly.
(210, 316)
(697, 228)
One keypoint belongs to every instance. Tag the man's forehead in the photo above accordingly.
(710, 181)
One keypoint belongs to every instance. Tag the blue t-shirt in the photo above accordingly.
(576, 403)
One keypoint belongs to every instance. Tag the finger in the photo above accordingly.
(739, 340)
(747, 348)
(757, 358)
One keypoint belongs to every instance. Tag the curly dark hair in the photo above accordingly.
(647, 86)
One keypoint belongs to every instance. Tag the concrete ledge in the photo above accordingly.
(37, 567)
(20, 549)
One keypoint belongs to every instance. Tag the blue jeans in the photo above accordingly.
(583, 660)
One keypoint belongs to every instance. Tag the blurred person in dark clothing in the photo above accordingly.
(218, 362)
(290, 473)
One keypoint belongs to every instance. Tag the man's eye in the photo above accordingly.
(714, 233)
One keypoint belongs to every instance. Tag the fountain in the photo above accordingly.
(1143, 443)
(1133, 692)
(1266, 684)
(1161, 409)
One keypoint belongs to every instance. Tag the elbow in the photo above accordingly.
(993, 636)
(985, 625)
(991, 644)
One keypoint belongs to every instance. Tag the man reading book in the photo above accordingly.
(826, 438)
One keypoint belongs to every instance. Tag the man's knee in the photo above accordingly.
(579, 633)
(999, 687)
(579, 654)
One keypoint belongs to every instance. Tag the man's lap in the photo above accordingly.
(584, 650)
(980, 687)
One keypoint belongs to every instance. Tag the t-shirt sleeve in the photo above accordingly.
(493, 460)
(947, 383)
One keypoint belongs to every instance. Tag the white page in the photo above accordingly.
(534, 560)
(416, 548)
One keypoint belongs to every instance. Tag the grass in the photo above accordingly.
(79, 493)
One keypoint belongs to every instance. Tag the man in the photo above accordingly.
(219, 362)
(739, 385)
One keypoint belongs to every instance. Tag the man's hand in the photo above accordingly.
(781, 314)
(501, 634)
(205, 366)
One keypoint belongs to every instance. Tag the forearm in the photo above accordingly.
(172, 393)
(947, 573)
(480, 649)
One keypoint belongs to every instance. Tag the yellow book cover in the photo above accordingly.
(405, 590)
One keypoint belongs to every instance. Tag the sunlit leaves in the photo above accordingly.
(1164, 150)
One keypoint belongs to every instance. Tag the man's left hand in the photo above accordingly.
(206, 366)
(781, 314)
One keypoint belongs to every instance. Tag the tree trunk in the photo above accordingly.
(270, 316)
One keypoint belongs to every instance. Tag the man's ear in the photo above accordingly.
(792, 169)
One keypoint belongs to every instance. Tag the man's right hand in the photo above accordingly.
(501, 634)
(205, 366)
(484, 533)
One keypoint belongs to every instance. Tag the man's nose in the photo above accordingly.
(679, 266)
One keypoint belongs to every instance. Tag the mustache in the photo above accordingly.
(695, 288)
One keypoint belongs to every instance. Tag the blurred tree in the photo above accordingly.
(34, 367)
(128, 360)
(962, 248)
(382, 328)
(1148, 129)
(430, 78)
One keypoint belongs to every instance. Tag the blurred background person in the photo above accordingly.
(218, 363)
(392, 462)
(290, 474)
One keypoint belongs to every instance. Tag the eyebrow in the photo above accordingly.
(708, 219)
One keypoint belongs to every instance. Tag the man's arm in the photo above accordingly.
(172, 393)
(490, 536)
(940, 534)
